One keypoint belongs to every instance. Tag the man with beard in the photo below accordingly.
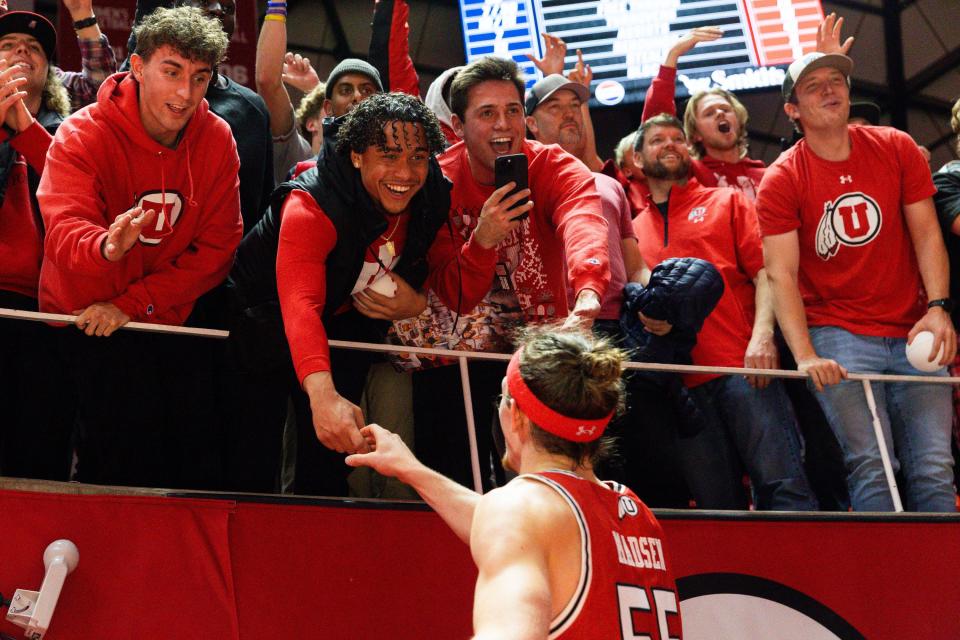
(555, 115)
(715, 123)
(747, 421)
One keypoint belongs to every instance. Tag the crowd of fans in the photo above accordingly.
(169, 194)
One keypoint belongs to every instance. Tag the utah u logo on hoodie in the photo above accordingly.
(168, 205)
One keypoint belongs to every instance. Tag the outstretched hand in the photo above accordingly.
(388, 456)
(336, 420)
(299, 73)
(582, 72)
(689, 40)
(828, 36)
(123, 233)
(554, 54)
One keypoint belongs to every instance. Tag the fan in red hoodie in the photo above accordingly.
(38, 415)
(141, 208)
(139, 197)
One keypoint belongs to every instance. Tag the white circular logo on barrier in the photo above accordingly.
(609, 92)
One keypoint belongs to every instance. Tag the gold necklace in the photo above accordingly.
(388, 243)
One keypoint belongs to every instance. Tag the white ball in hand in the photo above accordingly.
(385, 286)
(919, 350)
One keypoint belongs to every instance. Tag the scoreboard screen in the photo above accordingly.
(624, 41)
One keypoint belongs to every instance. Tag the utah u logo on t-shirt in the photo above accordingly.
(853, 219)
(168, 206)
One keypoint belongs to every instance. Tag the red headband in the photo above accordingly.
(568, 428)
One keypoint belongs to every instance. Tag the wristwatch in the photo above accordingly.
(946, 303)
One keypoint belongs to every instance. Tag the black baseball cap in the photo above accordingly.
(32, 24)
(810, 62)
(547, 86)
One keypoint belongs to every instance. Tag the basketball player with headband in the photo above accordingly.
(560, 553)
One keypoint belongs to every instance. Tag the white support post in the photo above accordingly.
(471, 426)
(884, 456)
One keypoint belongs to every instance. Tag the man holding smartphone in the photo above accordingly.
(512, 271)
(522, 258)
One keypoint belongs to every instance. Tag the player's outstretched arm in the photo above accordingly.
(391, 457)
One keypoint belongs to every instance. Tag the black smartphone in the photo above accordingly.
(512, 168)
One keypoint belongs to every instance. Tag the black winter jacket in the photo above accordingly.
(682, 291)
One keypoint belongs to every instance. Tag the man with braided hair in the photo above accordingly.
(343, 249)
(559, 552)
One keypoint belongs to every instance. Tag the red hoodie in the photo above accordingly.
(101, 164)
(20, 243)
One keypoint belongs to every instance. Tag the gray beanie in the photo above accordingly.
(351, 65)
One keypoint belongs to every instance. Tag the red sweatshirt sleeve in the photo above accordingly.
(660, 96)
(390, 47)
(209, 258)
(72, 207)
(577, 215)
(466, 282)
(306, 238)
(33, 143)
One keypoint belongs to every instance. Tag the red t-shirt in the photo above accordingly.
(626, 587)
(306, 239)
(858, 269)
(718, 225)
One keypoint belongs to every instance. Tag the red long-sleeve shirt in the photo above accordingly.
(566, 217)
(21, 247)
(307, 236)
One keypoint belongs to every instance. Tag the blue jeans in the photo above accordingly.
(746, 428)
(915, 420)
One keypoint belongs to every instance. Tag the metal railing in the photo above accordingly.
(463, 357)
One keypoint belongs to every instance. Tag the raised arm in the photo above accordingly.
(512, 598)
(271, 48)
(828, 36)
(98, 60)
(390, 47)
(660, 96)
